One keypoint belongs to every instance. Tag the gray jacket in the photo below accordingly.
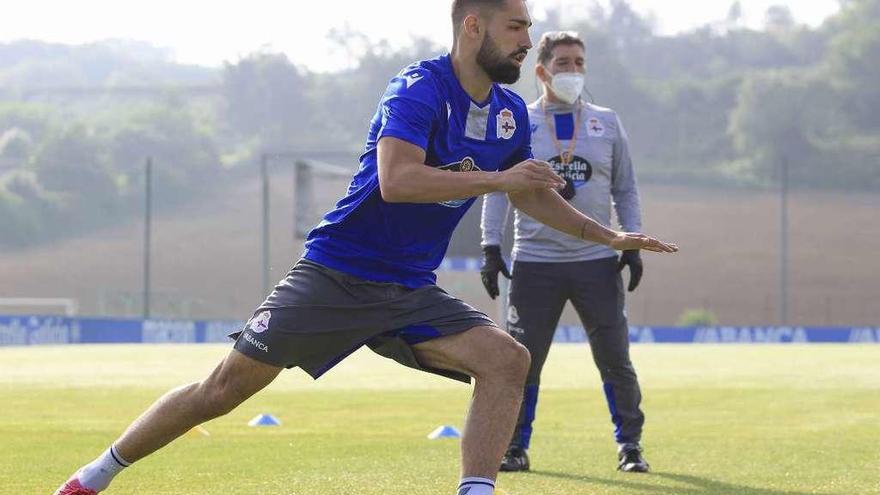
(602, 173)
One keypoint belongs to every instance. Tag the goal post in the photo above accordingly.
(69, 306)
(310, 170)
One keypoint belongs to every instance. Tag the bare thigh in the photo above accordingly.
(238, 377)
(475, 352)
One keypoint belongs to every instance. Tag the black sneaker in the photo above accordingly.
(515, 459)
(631, 460)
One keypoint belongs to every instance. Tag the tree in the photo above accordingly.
(31, 118)
(73, 161)
(734, 14)
(28, 212)
(348, 98)
(853, 61)
(778, 18)
(627, 25)
(266, 96)
(794, 116)
(15, 146)
(185, 156)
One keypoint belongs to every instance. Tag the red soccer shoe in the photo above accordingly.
(72, 487)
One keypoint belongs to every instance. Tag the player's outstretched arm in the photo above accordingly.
(404, 177)
(549, 208)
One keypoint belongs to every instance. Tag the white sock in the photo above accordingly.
(97, 475)
(476, 486)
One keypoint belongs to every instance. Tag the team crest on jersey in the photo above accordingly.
(260, 323)
(505, 124)
(467, 164)
(595, 127)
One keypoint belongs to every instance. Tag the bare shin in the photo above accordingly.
(498, 365)
(233, 381)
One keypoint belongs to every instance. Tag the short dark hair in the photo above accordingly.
(461, 9)
(552, 39)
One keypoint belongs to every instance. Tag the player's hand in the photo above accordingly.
(626, 241)
(529, 175)
(493, 264)
(633, 259)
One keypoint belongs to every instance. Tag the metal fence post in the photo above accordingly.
(148, 219)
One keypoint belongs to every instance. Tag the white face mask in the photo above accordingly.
(568, 86)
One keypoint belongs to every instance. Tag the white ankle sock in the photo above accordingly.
(476, 486)
(97, 475)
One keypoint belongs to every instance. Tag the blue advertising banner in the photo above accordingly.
(45, 330)
(34, 330)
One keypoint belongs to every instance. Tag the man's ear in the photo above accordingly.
(543, 74)
(471, 26)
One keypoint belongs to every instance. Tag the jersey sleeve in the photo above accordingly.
(496, 208)
(410, 107)
(624, 188)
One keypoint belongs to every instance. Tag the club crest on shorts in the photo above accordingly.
(505, 124)
(512, 315)
(516, 332)
(260, 323)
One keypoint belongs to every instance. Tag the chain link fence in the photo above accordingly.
(209, 256)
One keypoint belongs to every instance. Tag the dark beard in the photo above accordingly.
(498, 67)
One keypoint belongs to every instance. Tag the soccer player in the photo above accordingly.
(587, 145)
(444, 133)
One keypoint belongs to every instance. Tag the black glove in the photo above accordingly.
(634, 260)
(493, 263)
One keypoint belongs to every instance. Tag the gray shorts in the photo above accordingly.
(317, 316)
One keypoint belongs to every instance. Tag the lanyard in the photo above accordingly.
(564, 156)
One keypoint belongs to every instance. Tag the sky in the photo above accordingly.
(210, 32)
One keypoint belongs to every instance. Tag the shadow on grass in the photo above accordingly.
(695, 484)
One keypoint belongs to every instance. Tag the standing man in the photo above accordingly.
(444, 133)
(587, 146)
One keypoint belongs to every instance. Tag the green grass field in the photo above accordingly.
(744, 420)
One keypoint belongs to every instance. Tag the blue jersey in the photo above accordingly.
(405, 242)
